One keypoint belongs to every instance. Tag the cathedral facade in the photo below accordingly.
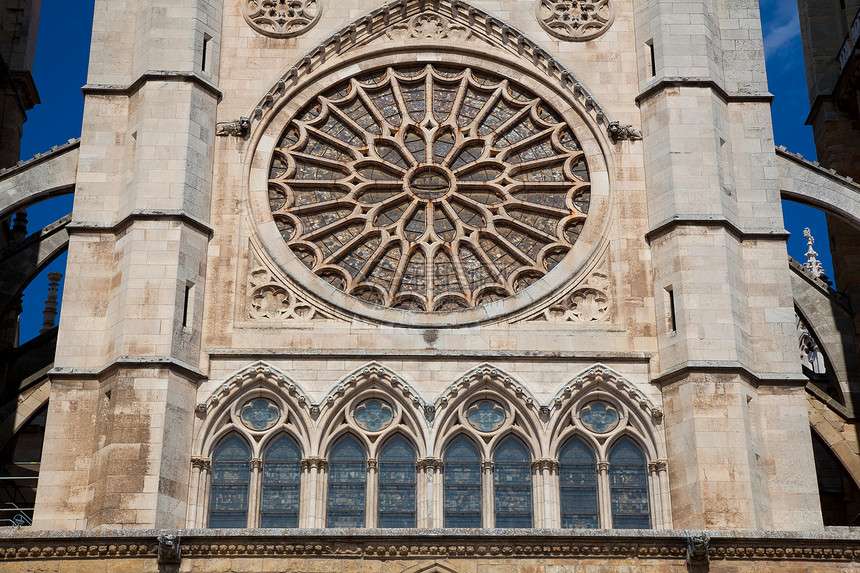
(436, 285)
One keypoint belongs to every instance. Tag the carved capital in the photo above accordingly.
(429, 465)
(256, 464)
(487, 465)
(658, 466)
(603, 466)
(201, 463)
(314, 463)
(544, 464)
(372, 464)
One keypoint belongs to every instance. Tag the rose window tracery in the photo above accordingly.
(429, 188)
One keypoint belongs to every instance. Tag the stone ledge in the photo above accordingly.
(832, 544)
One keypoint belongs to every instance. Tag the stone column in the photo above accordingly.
(487, 493)
(430, 492)
(545, 493)
(49, 315)
(372, 492)
(200, 469)
(658, 490)
(313, 492)
(254, 492)
(605, 496)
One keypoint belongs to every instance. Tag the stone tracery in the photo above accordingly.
(281, 18)
(576, 20)
(429, 188)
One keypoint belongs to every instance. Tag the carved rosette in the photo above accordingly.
(270, 300)
(576, 20)
(281, 18)
(428, 26)
(589, 302)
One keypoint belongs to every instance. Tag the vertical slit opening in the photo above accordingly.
(185, 305)
(203, 63)
(670, 303)
(652, 60)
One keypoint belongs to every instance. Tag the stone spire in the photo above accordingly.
(49, 315)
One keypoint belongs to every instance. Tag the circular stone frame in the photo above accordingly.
(268, 133)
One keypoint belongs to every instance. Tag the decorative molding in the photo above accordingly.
(314, 463)
(428, 26)
(600, 374)
(486, 374)
(576, 20)
(374, 373)
(458, 12)
(281, 18)
(256, 373)
(153, 76)
(238, 127)
(269, 299)
(25, 544)
(587, 302)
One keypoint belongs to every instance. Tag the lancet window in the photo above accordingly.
(396, 505)
(577, 477)
(347, 484)
(279, 495)
(231, 482)
(462, 485)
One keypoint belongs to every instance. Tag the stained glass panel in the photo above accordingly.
(279, 494)
(347, 478)
(512, 484)
(628, 486)
(577, 477)
(500, 172)
(397, 481)
(229, 485)
(462, 485)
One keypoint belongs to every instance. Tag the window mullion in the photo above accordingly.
(603, 495)
(371, 500)
(489, 502)
(254, 493)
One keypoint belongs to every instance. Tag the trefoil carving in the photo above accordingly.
(589, 302)
(269, 300)
(281, 18)
(428, 26)
(576, 20)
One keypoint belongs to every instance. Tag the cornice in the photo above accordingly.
(673, 223)
(672, 82)
(153, 76)
(841, 545)
(141, 215)
(730, 367)
(311, 354)
(136, 362)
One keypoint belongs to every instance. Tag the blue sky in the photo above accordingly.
(60, 71)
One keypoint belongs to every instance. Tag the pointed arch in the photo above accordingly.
(514, 406)
(461, 16)
(639, 417)
(338, 410)
(258, 380)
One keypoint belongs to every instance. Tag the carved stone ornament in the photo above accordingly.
(589, 302)
(281, 18)
(428, 26)
(620, 132)
(168, 549)
(238, 127)
(576, 20)
(270, 300)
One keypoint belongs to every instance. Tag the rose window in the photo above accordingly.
(429, 188)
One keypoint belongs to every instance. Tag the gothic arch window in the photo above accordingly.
(628, 486)
(347, 484)
(512, 485)
(279, 492)
(462, 485)
(396, 500)
(577, 476)
(231, 483)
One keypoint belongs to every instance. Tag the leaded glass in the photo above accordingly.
(347, 478)
(462, 484)
(628, 486)
(599, 417)
(512, 485)
(373, 415)
(486, 416)
(279, 494)
(381, 188)
(260, 414)
(577, 478)
(231, 478)
(397, 479)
